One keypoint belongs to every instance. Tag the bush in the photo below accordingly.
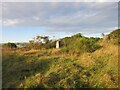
(78, 44)
(10, 45)
(113, 37)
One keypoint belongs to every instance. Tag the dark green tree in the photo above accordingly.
(10, 45)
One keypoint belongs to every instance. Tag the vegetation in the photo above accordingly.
(38, 42)
(73, 44)
(81, 62)
(114, 37)
(10, 45)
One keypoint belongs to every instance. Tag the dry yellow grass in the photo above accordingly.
(55, 51)
(107, 75)
(99, 68)
(86, 60)
(106, 80)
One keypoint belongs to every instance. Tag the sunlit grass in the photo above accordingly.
(50, 68)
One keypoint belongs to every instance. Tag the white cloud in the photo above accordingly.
(60, 0)
(64, 17)
(115, 28)
(0, 22)
(36, 18)
(11, 22)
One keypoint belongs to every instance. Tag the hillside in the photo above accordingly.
(80, 63)
(114, 36)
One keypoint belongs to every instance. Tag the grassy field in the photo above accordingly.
(49, 68)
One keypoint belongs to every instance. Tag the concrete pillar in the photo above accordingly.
(57, 44)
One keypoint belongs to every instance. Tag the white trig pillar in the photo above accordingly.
(57, 44)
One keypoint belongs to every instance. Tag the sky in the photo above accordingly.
(21, 21)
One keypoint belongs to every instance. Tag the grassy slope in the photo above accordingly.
(49, 68)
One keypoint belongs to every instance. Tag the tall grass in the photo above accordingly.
(48, 69)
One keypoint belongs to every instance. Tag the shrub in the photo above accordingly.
(10, 45)
(78, 44)
(113, 37)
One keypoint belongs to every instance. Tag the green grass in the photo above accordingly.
(89, 70)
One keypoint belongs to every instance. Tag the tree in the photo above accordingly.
(79, 35)
(38, 38)
(41, 39)
(10, 45)
(45, 39)
(38, 42)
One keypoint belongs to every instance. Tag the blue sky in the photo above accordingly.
(23, 21)
(24, 34)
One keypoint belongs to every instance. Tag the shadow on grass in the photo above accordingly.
(16, 69)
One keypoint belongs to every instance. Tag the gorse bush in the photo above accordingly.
(79, 44)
